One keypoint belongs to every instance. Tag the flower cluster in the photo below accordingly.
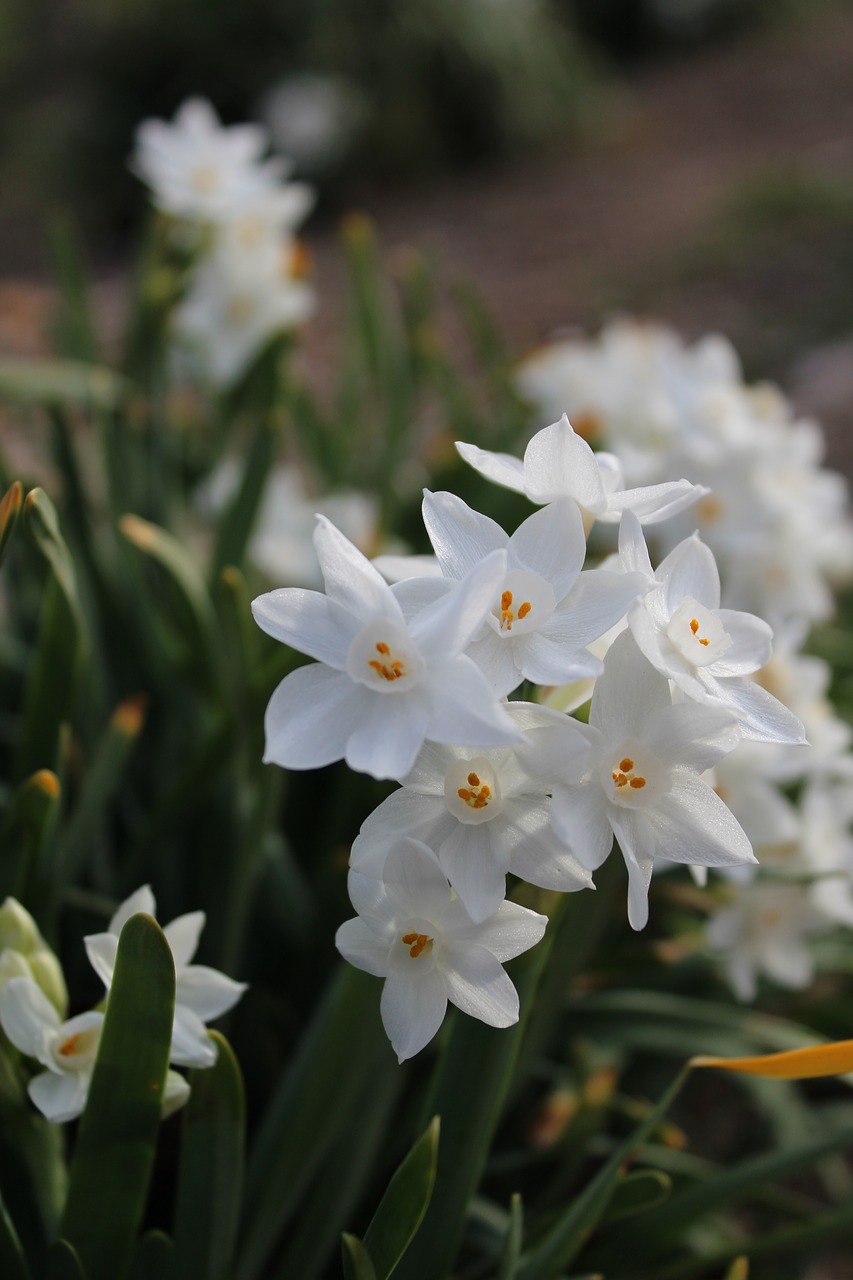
(31, 1014)
(411, 682)
(241, 214)
(779, 527)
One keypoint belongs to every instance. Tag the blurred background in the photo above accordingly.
(687, 159)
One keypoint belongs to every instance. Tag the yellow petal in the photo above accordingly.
(834, 1059)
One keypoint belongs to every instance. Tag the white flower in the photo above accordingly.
(413, 932)
(634, 772)
(201, 994)
(546, 610)
(234, 306)
(764, 931)
(200, 170)
(558, 464)
(707, 651)
(483, 813)
(382, 685)
(67, 1049)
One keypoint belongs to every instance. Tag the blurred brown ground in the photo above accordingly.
(564, 237)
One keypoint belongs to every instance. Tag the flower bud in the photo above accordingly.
(18, 930)
(47, 973)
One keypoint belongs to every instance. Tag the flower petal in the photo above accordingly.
(363, 947)
(27, 1017)
(415, 882)
(552, 544)
(310, 717)
(101, 948)
(512, 930)
(182, 936)
(692, 824)
(140, 901)
(656, 502)
(351, 580)
(390, 733)
(690, 570)
(448, 625)
(207, 992)
(761, 717)
(405, 813)
(558, 463)
(500, 468)
(191, 1045)
(412, 1009)
(469, 860)
(579, 815)
(461, 537)
(309, 622)
(464, 710)
(60, 1097)
(477, 984)
(752, 644)
(628, 694)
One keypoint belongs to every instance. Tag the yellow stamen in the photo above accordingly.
(416, 942)
(524, 609)
(69, 1046)
(394, 670)
(624, 775)
(694, 627)
(626, 765)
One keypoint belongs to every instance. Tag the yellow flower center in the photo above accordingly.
(418, 943)
(624, 775)
(386, 666)
(477, 794)
(508, 614)
(694, 627)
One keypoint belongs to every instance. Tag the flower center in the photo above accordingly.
(526, 601)
(697, 633)
(77, 1051)
(418, 943)
(205, 179)
(239, 309)
(384, 657)
(472, 791)
(633, 777)
(624, 775)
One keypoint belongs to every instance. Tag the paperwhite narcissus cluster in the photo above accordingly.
(779, 527)
(69, 1049)
(245, 287)
(410, 682)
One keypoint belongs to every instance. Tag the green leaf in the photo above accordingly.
(511, 1253)
(13, 1265)
(152, 1256)
(26, 829)
(60, 384)
(404, 1204)
(637, 1193)
(356, 1260)
(339, 1055)
(118, 1130)
(562, 1243)
(210, 1175)
(10, 509)
(74, 328)
(33, 1176)
(63, 1262)
(235, 525)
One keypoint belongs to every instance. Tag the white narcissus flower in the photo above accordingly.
(709, 652)
(201, 993)
(483, 813)
(637, 776)
(560, 464)
(412, 931)
(764, 930)
(382, 684)
(547, 610)
(199, 169)
(67, 1049)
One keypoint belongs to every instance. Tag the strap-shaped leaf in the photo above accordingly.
(152, 1256)
(356, 1259)
(24, 833)
(63, 1262)
(210, 1177)
(235, 525)
(511, 1252)
(404, 1204)
(637, 1193)
(13, 1265)
(60, 383)
(118, 1131)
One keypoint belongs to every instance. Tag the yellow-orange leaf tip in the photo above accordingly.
(46, 781)
(129, 715)
(834, 1059)
(140, 532)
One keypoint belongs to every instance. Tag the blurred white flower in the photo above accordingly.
(315, 119)
(201, 994)
(412, 931)
(765, 931)
(67, 1049)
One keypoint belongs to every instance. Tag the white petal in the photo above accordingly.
(633, 551)
(310, 716)
(692, 824)
(752, 643)
(350, 578)
(790, 963)
(140, 901)
(415, 882)
(477, 984)
(546, 658)
(500, 468)
(369, 895)
(494, 656)
(308, 621)
(464, 710)
(580, 818)
(362, 947)
(27, 1017)
(538, 856)
(656, 502)
(692, 735)
(400, 568)
(412, 1010)
(552, 544)
(628, 694)
(690, 570)
(634, 842)
(558, 463)
(60, 1097)
(102, 948)
(176, 1094)
(414, 594)
(182, 936)
(207, 992)
(468, 859)
(761, 717)
(597, 602)
(448, 625)
(191, 1045)
(509, 932)
(461, 537)
(405, 813)
(390, 733)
